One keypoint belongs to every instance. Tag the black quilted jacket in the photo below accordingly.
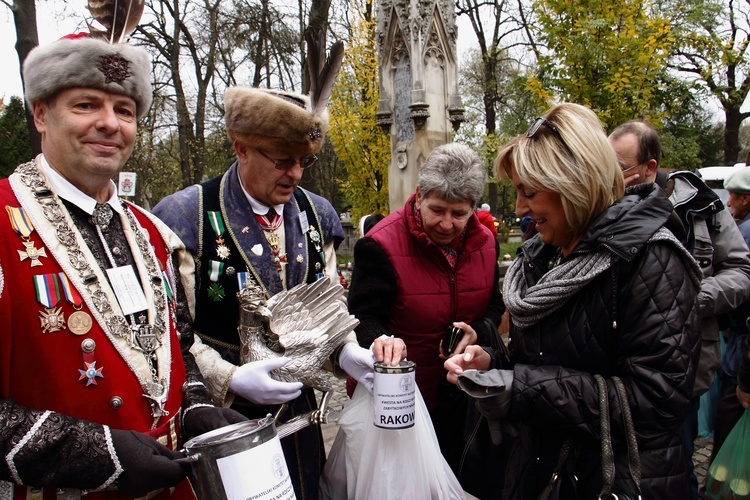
(638, 321)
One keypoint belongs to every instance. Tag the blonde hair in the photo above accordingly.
(579, 164)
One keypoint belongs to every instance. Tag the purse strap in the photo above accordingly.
(608, 463)
(634, 457)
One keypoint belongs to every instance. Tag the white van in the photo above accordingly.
(714, 178)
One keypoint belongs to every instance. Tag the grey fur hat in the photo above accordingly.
(274, 120)
(82, 61)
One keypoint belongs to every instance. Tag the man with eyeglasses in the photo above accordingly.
(255, 223)
(713, 240)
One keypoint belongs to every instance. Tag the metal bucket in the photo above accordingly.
(393, 395)
(240, 461)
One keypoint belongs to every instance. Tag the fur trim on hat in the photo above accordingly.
(92, 63)
(273, 120)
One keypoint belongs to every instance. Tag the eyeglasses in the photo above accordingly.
(626, 170)
(289, 163)
(543, 121)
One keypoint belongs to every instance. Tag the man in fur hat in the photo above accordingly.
(98, 388)
(256, 223)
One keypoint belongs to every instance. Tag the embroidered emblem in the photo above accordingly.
(91, 373)
(114, 68)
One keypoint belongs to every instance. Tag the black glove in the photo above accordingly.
(147, 464)
(207, 418)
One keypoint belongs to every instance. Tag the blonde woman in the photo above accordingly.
(603, 289)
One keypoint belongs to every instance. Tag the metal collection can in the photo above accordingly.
(393, 395)
(239, 462)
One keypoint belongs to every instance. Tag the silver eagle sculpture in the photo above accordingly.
(306, 323)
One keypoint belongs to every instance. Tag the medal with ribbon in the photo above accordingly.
(48, 294)
(90, 371)
(79, 322)
(216, 292)
(269, 227)
(22, 225)
(217, 224)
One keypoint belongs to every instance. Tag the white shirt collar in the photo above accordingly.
(258, 207)
(67, 191)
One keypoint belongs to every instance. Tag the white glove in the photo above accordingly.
(359, 363)
(253, 382)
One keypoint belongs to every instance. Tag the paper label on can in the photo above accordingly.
(394, 400)
(258, 473)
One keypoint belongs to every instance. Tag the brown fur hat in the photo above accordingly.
(273, 120)
(82, 61)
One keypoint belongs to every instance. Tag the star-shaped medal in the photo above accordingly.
(222, 251)
(216, 292)
(91, 373)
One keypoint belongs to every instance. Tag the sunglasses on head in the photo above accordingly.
(534, 128)
(289, 163)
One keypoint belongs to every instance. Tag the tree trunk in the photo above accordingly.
(27, 37)
(731, 132)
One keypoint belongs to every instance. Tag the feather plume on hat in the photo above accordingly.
(119, 18)
(323, 72)
(276, 120)
(97, 60)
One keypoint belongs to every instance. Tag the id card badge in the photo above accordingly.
(303, 222)
(127, 289)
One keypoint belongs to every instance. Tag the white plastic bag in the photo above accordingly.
(370, 463)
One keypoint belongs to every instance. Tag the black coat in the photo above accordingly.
(637, 320)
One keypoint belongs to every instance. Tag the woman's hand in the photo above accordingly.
(389, 350)
(470, 337)
(473, 358)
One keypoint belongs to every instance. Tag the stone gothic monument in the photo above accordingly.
(419, 103)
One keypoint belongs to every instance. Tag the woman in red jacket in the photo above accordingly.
(428, 267)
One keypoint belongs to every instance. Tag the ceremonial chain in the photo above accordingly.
(117, 324)
(141, 335)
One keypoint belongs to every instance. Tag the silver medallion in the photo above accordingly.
(157, 397)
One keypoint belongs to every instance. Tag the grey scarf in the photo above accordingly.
(528, 306)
